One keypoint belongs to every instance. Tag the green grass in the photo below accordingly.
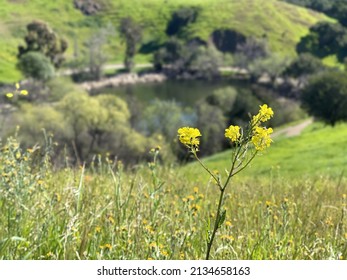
(161, 212)
(283, 24)
(320, 149)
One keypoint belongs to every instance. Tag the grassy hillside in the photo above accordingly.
(319, 151)
(154, 212)
(282, 23)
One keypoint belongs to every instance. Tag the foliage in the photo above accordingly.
(272, 66)
(132, 33)
(96, 55)
(212, 121)
(107, 212)
(227, 40)
(37, 66)
(336, 9)
(188, 59)
(88, 7)
(162, 117)
(325, 39)
(85, 126)
(250, 51)
(325, 97)
(282, 28)
(181, 19)
(304, 65)
(40, 38)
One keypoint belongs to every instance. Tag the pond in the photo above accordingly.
(184, 92)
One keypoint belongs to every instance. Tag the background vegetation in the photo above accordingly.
(101, 175)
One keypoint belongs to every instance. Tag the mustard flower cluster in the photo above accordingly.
(261, 138)
(261, 135)
(258, 135)
(233, 133)
(19, 91)
(189, 136)
(265, 113)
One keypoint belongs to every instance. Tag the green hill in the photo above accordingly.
(283, 24)
(319, 151)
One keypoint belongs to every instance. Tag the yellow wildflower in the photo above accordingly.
(189, 136)
(17, 85)
(97, 229)
(265, 113)
(261, 138)
(228, 224)
(24, 92)
(233, 133)
(9, 95)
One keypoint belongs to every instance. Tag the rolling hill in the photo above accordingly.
(320, 151)
(283, 24)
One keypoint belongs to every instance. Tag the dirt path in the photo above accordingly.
(293, 130)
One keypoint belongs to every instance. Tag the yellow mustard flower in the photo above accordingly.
(261, 138)
(233, 133)
(265, 113)
(189, 136)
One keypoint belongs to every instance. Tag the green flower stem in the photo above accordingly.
(216, 224)
(213, 176)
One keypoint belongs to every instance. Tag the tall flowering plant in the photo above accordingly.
(247, 143)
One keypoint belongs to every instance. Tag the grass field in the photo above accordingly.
(320, 150)
(281, 23)
(297, 211)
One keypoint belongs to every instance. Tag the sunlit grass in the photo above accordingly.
(104, 211)
(281, 23)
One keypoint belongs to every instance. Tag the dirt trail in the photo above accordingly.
(293, 130)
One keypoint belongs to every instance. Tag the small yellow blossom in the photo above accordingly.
(189, 136)
(196, 189)
(97, 229)
(9, 95)
(23, 92)
(17, 85)
(233, 133)
(261, 138)
(265, 113)
(228, 224)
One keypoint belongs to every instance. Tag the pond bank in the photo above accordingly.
(124, 79)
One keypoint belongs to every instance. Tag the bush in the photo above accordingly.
(37, 66)
(325, 97)
(180, 19)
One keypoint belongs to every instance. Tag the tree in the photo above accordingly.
(40, 38)
(132, 33)
(250, 51)
(227, 40)
(96, 52)
(162, 117)
(273, 66)
(37, 66)
(181, 19)
(304, 65)
(188, 59)
(325, 39)
(325, 97)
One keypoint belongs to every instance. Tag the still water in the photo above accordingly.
(184, 92)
